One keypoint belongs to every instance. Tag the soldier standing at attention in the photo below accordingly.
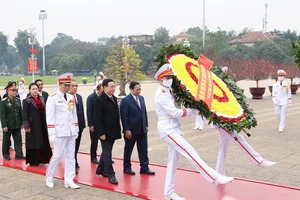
(11, 119)
(63, 130)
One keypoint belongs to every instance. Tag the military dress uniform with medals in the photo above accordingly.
(11, 118)
(63, 130)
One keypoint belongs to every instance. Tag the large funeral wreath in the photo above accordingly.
(245, 120)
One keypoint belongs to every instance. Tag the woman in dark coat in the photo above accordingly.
(38, 149)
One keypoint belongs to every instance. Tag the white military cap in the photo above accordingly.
(281, 72)
(65, 78)
(164, 70)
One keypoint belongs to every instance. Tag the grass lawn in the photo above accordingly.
(46, 79)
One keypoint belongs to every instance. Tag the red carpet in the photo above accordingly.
(189, 184)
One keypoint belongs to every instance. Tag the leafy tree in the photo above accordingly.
(196, 31)
(3, 45)
(146, 55)
(54, 65)
(69, 63)
(23, 46)
(161, 35)
(61, 40)
(290, 35)
(95, 60)
(11, 58)
(124, 65)
(269, 50)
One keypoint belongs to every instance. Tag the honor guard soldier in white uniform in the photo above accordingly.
(22, 90)
(63, 130)
(281, 96)
(168, 129)
(226, 137)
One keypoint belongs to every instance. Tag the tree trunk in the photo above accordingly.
(122, 87)
(257, 84)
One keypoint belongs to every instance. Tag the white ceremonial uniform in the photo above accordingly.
(62, 122)
(281, 96)
(168, 128)
(225, 137)
(22, 93)
(199, 122)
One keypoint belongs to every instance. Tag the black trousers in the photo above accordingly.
(94, 144)
(105, 163)
(77, 145)
(142, 147)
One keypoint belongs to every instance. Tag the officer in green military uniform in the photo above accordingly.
(11, 119)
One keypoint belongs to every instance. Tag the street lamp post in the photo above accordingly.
(43, 16)
(203, 27)
(32, 41)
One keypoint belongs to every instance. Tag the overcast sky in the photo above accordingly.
(88, 20)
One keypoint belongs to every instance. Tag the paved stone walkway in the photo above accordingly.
(265, 139)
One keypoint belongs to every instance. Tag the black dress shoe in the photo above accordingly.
(34, 164)
(129, 171)
(95, 161)
(102, 173)
(113, 180)
(149, 172)
(20, 158)
(77, 166)
(6, 158)
(76, 170)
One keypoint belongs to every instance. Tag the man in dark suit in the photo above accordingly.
(90, 102)
(108, 127)
(42, 93)
(80, 117)
(135, 128)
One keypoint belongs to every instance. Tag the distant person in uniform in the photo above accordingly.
(282, 97)
(135, 128)
(63, 130)
(38, 150)
(168, 129)
(22, 89)
(12, 123)
(199, 122)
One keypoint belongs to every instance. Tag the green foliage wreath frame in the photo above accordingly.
(186, 99)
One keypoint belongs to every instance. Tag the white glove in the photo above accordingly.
(76, 135)
(275, 102)
(52, 139)
(195, 111)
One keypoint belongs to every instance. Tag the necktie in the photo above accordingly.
(65, 96)
(112, 99)
(137, 101)
(76, 102)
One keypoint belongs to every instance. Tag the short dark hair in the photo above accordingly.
(106, 81)
(99, 86)
(32, 84)
(37, 80)
(133, 84)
